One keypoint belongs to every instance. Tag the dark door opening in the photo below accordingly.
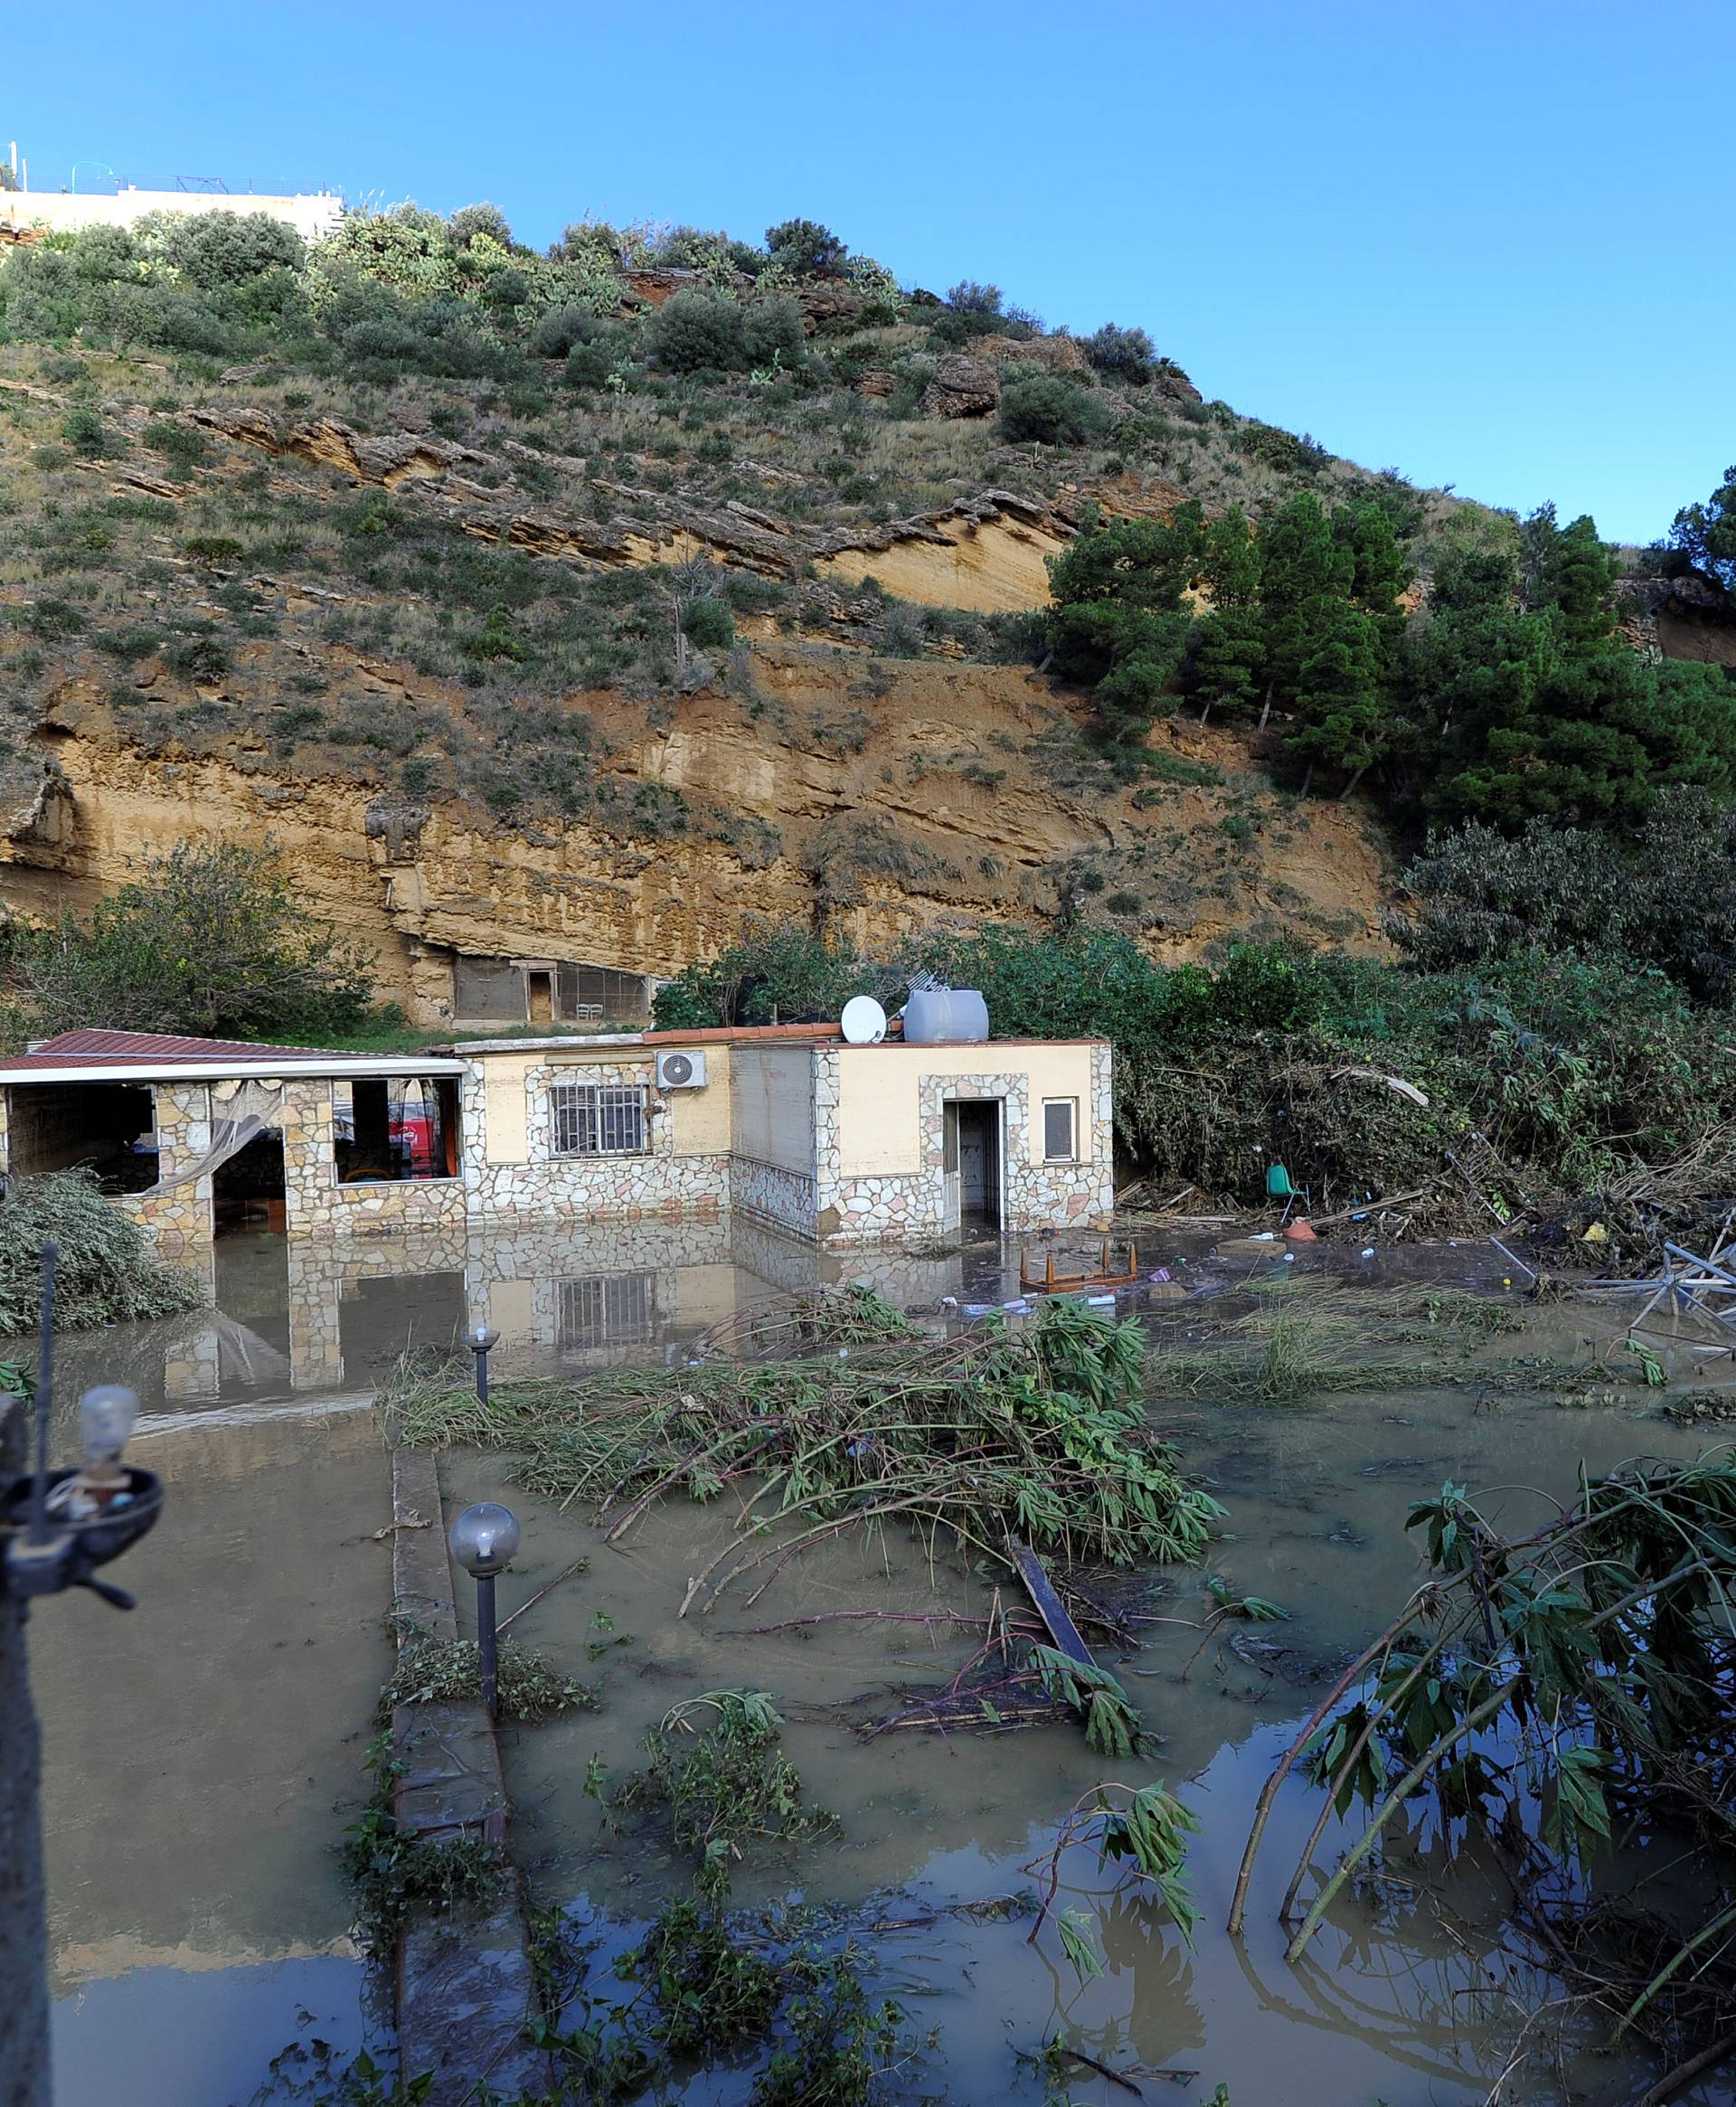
(247, 1192)
(979, 1165)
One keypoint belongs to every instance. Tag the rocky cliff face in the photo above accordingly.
(868, 800)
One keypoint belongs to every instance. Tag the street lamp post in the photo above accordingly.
(479, 1338)
(483, 1539)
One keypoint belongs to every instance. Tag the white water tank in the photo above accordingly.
(934, 1017)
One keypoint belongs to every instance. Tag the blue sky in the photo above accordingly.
(1486, 244)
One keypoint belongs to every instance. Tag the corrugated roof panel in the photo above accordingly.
(166, 1046)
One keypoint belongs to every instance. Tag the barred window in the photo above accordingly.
(1060, 1116)
(598, 1119)
(604, 1309)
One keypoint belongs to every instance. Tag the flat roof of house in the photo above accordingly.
(731, 1035)
(103, 1056)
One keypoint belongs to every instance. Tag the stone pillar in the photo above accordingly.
(309, 1156)
(192, 1367)
(179, 1219)
(315, 1322)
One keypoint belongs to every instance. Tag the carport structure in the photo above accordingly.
(191, 1136)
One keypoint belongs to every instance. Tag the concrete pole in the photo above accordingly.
(23, 1915)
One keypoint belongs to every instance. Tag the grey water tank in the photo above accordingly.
(935, 1015)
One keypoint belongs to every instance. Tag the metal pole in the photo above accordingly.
(44, 1396)
(482, 1383)
(486, 1641)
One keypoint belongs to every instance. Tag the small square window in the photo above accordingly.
(1060, 1120)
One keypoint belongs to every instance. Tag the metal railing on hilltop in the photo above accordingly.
(92, 180)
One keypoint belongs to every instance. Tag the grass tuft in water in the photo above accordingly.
(529, 1686)
(716, 1769)
(392, 1873)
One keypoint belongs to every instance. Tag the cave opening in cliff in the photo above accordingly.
(545, 991)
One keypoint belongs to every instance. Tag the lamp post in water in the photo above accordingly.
(479, 1338)
(483, 1539)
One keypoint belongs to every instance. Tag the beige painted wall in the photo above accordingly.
(700, 1118)
(880, 1108)
(774, 1106)
(506, 1107)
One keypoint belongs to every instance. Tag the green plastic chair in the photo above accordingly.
(1278, 1182)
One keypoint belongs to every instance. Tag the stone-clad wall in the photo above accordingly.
(179, 1219)
(316, 1204)
(910, 1207)
(766, 1192)
(593, 1188)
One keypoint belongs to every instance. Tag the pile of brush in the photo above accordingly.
(1036, 1433)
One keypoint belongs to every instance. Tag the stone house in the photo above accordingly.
(189, 1135)
(788, 1126)
(784, 1125)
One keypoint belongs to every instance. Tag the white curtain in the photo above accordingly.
(240, 1112)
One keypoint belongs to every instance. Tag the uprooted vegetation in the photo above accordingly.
(1038, 1434)
(1581, 1673)
(529, 1687)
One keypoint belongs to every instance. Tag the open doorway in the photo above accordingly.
(247, 1192)
(539, 994)
(973, 1163)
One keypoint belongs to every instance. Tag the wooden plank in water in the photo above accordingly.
(1061, 1627)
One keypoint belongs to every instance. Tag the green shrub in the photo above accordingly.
(806, 249)
(210, 939)
(105, 1271)
(213, 548)
(183, 449)
(698, 332)
(589, 365)
(708, 623)
(213, 250)
(471, 220)
(1052, 411)
(200, 659)
(771, 332)
(1127, 354)
(84, 431)
(560, 329)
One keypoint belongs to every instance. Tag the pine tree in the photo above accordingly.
(1339, 714)
(1119, 622)
(1227, 651)
(1300, 567)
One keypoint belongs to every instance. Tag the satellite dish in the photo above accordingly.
(864, 1021)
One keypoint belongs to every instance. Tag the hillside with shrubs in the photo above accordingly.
(424, 511)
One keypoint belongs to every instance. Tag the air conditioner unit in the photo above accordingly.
(681, 1071)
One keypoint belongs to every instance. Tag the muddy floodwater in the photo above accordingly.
(203, 1753)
